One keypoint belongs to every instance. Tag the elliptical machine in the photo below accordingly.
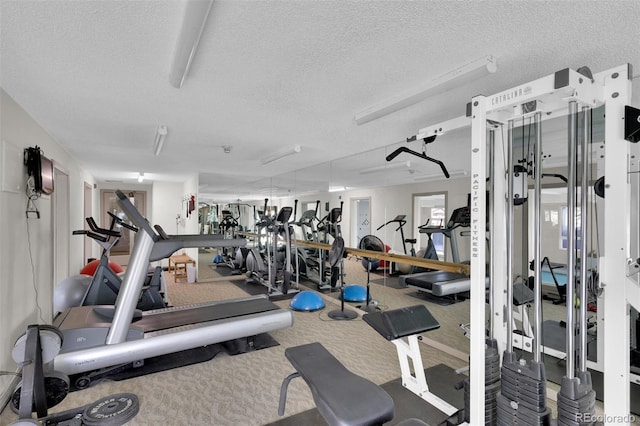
(228, 256)
(311, 263)
(271, 270)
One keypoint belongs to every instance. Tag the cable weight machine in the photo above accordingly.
(551, 96)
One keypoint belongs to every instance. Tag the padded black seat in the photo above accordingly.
(341, 397)
(402, 322)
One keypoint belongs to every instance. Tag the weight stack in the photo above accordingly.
(523, 398)
(491, 386)
(576, 401)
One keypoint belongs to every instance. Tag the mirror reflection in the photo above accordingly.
(403, 204)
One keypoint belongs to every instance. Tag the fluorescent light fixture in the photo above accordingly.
(278, 155)
(193, 23)
(453, 174)
(161, 134)
(337, 188)
(445, 82)
(140, 177)
(385, 167)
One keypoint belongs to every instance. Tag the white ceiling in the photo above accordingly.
(271, 74)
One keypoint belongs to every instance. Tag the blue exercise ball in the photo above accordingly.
(355, 293)
(307, 301)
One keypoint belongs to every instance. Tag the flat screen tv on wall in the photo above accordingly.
(41, 169)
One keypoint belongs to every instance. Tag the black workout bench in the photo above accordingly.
(341, 397)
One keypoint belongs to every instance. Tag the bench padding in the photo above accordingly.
(341, 397)
(402, 322)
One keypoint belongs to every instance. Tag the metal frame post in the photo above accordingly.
(571, 237)
(478, 257)
(617, 94)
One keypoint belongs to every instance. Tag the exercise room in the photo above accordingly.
(285, 213)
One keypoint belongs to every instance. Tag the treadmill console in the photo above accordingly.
(460, 217)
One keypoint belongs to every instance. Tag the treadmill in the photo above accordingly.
(443, 283)
(98, 337)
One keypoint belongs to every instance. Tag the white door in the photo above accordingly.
(361, 220)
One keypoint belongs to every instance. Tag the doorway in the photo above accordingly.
(361, 220)
(88, 210)
(430, 209)
(121, 252)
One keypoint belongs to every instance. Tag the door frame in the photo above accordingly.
(88, 211)
(122, 259)
(61, 225)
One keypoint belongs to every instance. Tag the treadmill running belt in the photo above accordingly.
(202, 314)
(427, 279)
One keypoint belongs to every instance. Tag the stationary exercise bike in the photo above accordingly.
(105, 283)
(400, 221)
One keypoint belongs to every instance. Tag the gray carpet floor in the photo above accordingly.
(244, 389)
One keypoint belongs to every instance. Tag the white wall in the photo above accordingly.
(190, 187)
(169, 210)
(18, 285)
(18, 305)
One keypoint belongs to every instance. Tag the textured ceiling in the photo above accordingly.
(268, 75)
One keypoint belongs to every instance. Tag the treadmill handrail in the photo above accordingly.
(164, 244)
(163, 249)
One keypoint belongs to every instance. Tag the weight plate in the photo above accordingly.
(114, 410)
(56, 388)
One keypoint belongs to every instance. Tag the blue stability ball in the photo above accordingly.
(355, 293)
(307, 301)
